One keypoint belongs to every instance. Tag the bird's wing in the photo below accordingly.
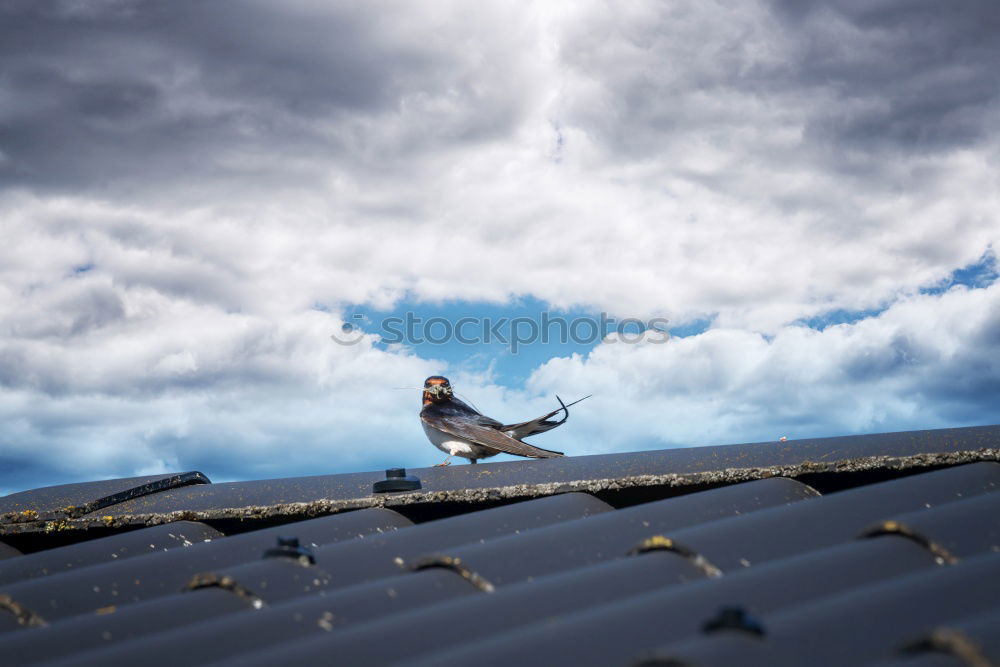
(461, 407)
(485, 434)
(541, 424)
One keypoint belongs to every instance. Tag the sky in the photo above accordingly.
(198, 199)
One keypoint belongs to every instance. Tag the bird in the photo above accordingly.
(458, 429)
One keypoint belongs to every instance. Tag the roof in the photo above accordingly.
(828, 551)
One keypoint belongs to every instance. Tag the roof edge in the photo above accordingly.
(682, 482)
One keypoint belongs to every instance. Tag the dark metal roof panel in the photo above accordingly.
(387, 554)
(613, 633)
(928, 659)
(106, 549)
(152, 575)
(678, 469)
(559, 567)
(982, 632)
(375, 557)
(518, 605)
(562, 545)
(72, 500)
(236, 633)
(858, 625)
(8, 621)
(588, 638)
(955, 529)
(968, 642)
(614, 535)
(269, 580)
(347, 563)
(245, 634)
(264, 581)
(372, 557)
(113, 625)
(745, 540)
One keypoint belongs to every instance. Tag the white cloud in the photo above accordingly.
(927, 361)
(179, 209)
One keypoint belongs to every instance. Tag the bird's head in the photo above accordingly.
(436, 389)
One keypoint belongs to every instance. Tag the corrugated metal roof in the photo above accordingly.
(834, 551)
(629, 477)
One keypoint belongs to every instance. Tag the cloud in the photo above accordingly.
(288, 402)
(688, 161)
(915, 74)
(133, 96)
(193, 192)
(927, 361)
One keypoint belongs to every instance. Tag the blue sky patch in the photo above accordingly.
(839, 316)
(510, 339)
(981, 273)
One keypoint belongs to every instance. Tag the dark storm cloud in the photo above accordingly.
(114, 94)
(864, 76)
(869, 364)
(910, 75)
(99, 92)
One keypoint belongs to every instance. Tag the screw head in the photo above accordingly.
(734, 618)
(289, 547)
(396, 479)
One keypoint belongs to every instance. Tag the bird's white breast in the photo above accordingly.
(448, 443)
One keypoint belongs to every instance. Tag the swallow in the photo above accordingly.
(458, 429)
